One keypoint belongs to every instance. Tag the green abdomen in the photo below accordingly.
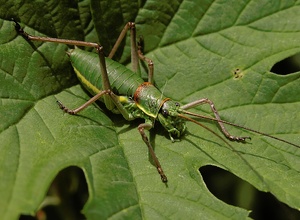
(87, 67)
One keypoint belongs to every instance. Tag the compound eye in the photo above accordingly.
(177, 104)
(165, 112)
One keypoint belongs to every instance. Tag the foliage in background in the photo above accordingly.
(222, 50)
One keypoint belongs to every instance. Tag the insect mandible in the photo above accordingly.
(124, 92)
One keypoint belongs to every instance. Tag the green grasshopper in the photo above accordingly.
(124, 92)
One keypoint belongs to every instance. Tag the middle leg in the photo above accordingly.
(141, 129)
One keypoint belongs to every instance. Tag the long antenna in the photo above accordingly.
(239, 126)
(225, 141)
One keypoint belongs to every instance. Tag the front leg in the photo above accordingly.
(214, 110)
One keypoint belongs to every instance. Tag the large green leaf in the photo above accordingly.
(222, 50)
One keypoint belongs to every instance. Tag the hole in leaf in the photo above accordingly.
(235, 191)
(287, 66)
(237, 73)
(65, 198)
